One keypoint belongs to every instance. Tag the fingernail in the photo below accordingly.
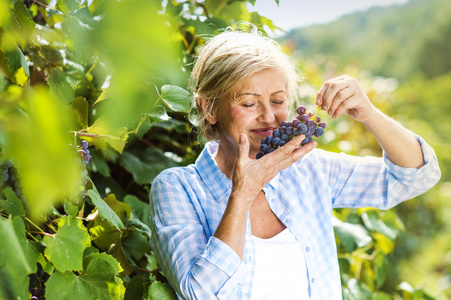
(325, 107)
(241, 138)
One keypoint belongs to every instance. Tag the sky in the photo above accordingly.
(300, 13)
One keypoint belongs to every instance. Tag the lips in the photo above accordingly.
(263, 131)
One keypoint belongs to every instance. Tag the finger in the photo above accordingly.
(297, 154)
(325, 87)
(243, 148)
(334, 88)
(339, 98)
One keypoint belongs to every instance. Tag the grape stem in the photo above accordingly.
(317, 111)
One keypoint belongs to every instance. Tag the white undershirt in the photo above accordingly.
(280, 271)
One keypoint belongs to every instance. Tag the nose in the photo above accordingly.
(266, 115)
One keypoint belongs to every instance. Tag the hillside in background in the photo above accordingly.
(395, 41)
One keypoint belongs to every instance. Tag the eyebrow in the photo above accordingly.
(258, 95)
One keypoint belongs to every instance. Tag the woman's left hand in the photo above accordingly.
(345, 95)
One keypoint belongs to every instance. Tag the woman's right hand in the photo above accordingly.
(250, 176)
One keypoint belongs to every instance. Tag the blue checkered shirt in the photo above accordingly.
(187, 203)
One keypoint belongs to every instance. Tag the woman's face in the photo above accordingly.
(256, 106)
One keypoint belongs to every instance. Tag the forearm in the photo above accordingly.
(398, 143)
(232, 227)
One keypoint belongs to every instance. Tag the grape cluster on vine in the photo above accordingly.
(305, 123)
(37, 283)
(9, 177)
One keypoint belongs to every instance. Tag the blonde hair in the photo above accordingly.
(228, 58)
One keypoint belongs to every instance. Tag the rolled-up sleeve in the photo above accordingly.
(378, 182)
(196, 265)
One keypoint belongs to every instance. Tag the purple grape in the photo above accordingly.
(285, 137)
(264, 148)
(322, 125)
(88, 158)
(283, 129)
(296, 123)
(319, 131)
(304, 118)
(269, 139)
(302, 128)
(301, 110)
(289, 131)
(276, 141)
(276, 133)
(259, 155)
(84, 145)
(284, 123)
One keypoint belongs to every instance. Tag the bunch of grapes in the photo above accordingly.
(86, 159)
(9, 177)
(84, 152)
(37, 283)
(305, 123)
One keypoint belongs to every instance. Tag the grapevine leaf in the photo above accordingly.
(98, 164)
(135, 245)
(14, 265)
(23, 24)
(176, 98)
(14, 65)
(145, 170)
(104, 210)
(59, 86)
(98, 280)
(117, 252)
(252, 2)
(67, 6)
(65, 248)
(357, 290)
(140, 209)
(373, 222)
(12, 205)
(351, 235)
(161, 291)
(115, 138)
(152, 263)
(135, 288)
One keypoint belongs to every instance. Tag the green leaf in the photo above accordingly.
(104, 210)
(135, 245)
(140, 209)
(14, 266)
(67, 6)
(98, 280)
(145, 170)
(176, 98)
(59, 86)
(372, 221)
(161, 291)
(14, 65)
(135, 288)
(12, 205)
(356, 291)
(351, 235)
(48, 171)
(252, 2)
(65, 248)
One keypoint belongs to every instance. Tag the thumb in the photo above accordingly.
(243, 147)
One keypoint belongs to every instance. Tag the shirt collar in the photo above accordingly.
(217, 182)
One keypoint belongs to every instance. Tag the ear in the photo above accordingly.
(211, 118)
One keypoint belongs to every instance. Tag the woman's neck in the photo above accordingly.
(225, 158)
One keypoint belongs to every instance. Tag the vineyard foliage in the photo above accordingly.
(114, 73)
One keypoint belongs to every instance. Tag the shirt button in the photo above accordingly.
(313, 280)
(307, 249)
(289, 222)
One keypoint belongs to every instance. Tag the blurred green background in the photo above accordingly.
(115, 74)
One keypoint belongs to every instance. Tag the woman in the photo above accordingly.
(233, 227)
